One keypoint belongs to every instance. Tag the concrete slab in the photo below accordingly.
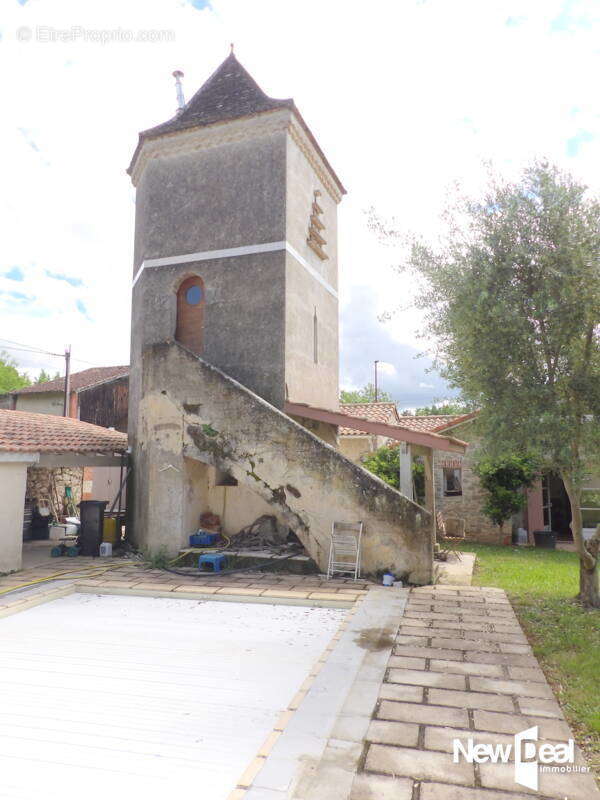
(455, 571)
(124, 696)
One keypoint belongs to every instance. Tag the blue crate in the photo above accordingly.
(215, 560)
(202, 539)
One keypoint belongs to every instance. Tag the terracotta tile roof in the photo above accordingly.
(230, 93)
(25, 432)
(79, 380)
(374, 412)
(435, 423)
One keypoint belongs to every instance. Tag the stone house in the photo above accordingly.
(234, 397)
(459, 495)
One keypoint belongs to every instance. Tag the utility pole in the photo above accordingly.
(67, 380)
(376, 362)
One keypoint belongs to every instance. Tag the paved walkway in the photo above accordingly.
(461, 667)
(458, 666)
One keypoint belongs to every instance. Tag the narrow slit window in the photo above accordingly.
(315, 338)
(189, 329)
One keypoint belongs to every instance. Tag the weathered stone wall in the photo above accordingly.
(39, 479)
(191, 412)
(478, 528)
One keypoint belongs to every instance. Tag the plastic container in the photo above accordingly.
(202, 539)
(388, 580)
(110, 531)
(545, 539)
(106, 549)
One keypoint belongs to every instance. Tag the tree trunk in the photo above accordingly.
(589, 585)
(589, 579)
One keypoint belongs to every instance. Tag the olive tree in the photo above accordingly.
(511, 294)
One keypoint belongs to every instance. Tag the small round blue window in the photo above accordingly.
(193, 295)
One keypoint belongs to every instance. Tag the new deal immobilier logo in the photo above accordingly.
(529, 758)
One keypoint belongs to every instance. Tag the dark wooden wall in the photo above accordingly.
(106, 404)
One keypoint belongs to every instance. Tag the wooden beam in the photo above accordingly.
(397, 432)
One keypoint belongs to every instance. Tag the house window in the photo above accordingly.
(452, 482)
(189, 330)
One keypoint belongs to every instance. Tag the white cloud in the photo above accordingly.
(403, 97)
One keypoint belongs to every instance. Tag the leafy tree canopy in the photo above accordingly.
(504, 480)
(10, 378)
(364, 395)
(440, 407)
(512, 299)
(385, 463)
(44, 377)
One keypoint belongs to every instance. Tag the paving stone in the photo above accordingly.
(507, 638)
(379, 787)
(455, 625)
(510, 627)
(466, 668)
(407, 662)
(418, 764)
(411, 622)
(519, 688)
(492, 702)
(401, 692)
(426, 652)
(405, 734)
(510, 659)
(574, 786)
(465, 644)
(423, 714)
(439, 738)
(429, 615)
(443, 791)
(419, 641)
(422, 678)
(527, 674)
(540, 708)
(556, 729)
(524, 649)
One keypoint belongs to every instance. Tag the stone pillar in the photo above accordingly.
(406, 481)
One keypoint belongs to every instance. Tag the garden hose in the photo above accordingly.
(200, 550)
(96, 570)
(262, 564)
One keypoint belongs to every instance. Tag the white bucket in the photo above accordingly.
(106, 549)
(388, 580)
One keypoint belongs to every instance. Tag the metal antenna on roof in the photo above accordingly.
(178, 75)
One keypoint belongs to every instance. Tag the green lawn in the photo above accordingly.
(542, 585)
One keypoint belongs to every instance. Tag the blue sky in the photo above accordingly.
(404, 97)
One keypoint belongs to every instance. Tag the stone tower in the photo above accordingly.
(236, 242)
(235, 335)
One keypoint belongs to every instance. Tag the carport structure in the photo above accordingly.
(28, 439)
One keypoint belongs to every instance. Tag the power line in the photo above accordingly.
(25, 348)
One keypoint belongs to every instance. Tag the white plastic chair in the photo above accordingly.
(344, 550)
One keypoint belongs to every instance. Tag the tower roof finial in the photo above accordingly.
(178, 75)
(231, 49)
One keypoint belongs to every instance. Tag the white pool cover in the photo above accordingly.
(137, 697)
